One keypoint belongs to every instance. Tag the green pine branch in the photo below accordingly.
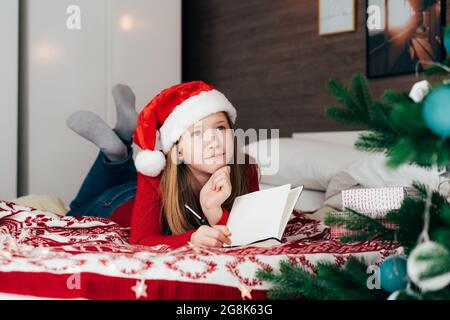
(395, 127)
(395, 124)
(292, 282)
(364, 228)
(331, 282)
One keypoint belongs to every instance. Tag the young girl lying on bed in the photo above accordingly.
(193, 124)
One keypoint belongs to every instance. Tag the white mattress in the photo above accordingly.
(309, 200)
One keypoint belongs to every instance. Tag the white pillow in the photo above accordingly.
(313, 164)
(372, 172)
(303, 162)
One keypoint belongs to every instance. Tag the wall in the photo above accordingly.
(268, 58)
(9, 53)
(136, 42)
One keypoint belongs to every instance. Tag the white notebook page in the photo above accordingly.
(290, 204)
(260, 215)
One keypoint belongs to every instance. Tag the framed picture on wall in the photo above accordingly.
(336, 16)
(401, 33)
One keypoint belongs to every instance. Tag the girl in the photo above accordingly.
(193, 124)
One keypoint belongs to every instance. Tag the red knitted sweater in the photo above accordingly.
(142, 214)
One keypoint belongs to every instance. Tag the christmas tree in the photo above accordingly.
(410, 128)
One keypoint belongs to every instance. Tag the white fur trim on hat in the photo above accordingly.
(191, 111)
(150, 163)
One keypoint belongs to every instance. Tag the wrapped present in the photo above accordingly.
(374, 202)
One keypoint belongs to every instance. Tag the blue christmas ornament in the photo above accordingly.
(436, 111)
(393, 274)
(447, 40)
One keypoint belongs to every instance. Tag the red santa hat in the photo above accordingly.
(168, 115)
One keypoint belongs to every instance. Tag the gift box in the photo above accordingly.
(374, 202)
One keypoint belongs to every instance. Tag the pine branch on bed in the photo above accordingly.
(331, 282)
(364, 228)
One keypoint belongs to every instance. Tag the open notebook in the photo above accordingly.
(260, 217)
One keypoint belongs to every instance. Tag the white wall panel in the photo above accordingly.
(137, 42)
(9, 45)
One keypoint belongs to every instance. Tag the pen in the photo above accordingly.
(203, 221)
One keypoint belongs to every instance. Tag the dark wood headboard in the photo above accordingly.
(266, 56)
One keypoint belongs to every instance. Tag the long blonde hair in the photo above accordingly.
(179, 187)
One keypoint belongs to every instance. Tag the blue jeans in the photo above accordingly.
(106, 187)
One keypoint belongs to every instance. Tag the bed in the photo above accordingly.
(47, 256)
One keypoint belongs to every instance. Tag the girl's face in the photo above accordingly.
(208, 145)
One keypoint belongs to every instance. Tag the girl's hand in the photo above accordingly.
(214, 193)
(211, 236)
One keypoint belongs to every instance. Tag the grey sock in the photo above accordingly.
(126, 111)
(91, 127)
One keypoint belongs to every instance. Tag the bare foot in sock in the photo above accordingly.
(91, 127)
(126, 111)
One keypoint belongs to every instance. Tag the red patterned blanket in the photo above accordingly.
(49, 256)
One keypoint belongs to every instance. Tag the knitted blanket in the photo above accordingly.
(45, 255)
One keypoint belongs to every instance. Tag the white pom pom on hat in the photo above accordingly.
(168, 115)
(150, 163)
